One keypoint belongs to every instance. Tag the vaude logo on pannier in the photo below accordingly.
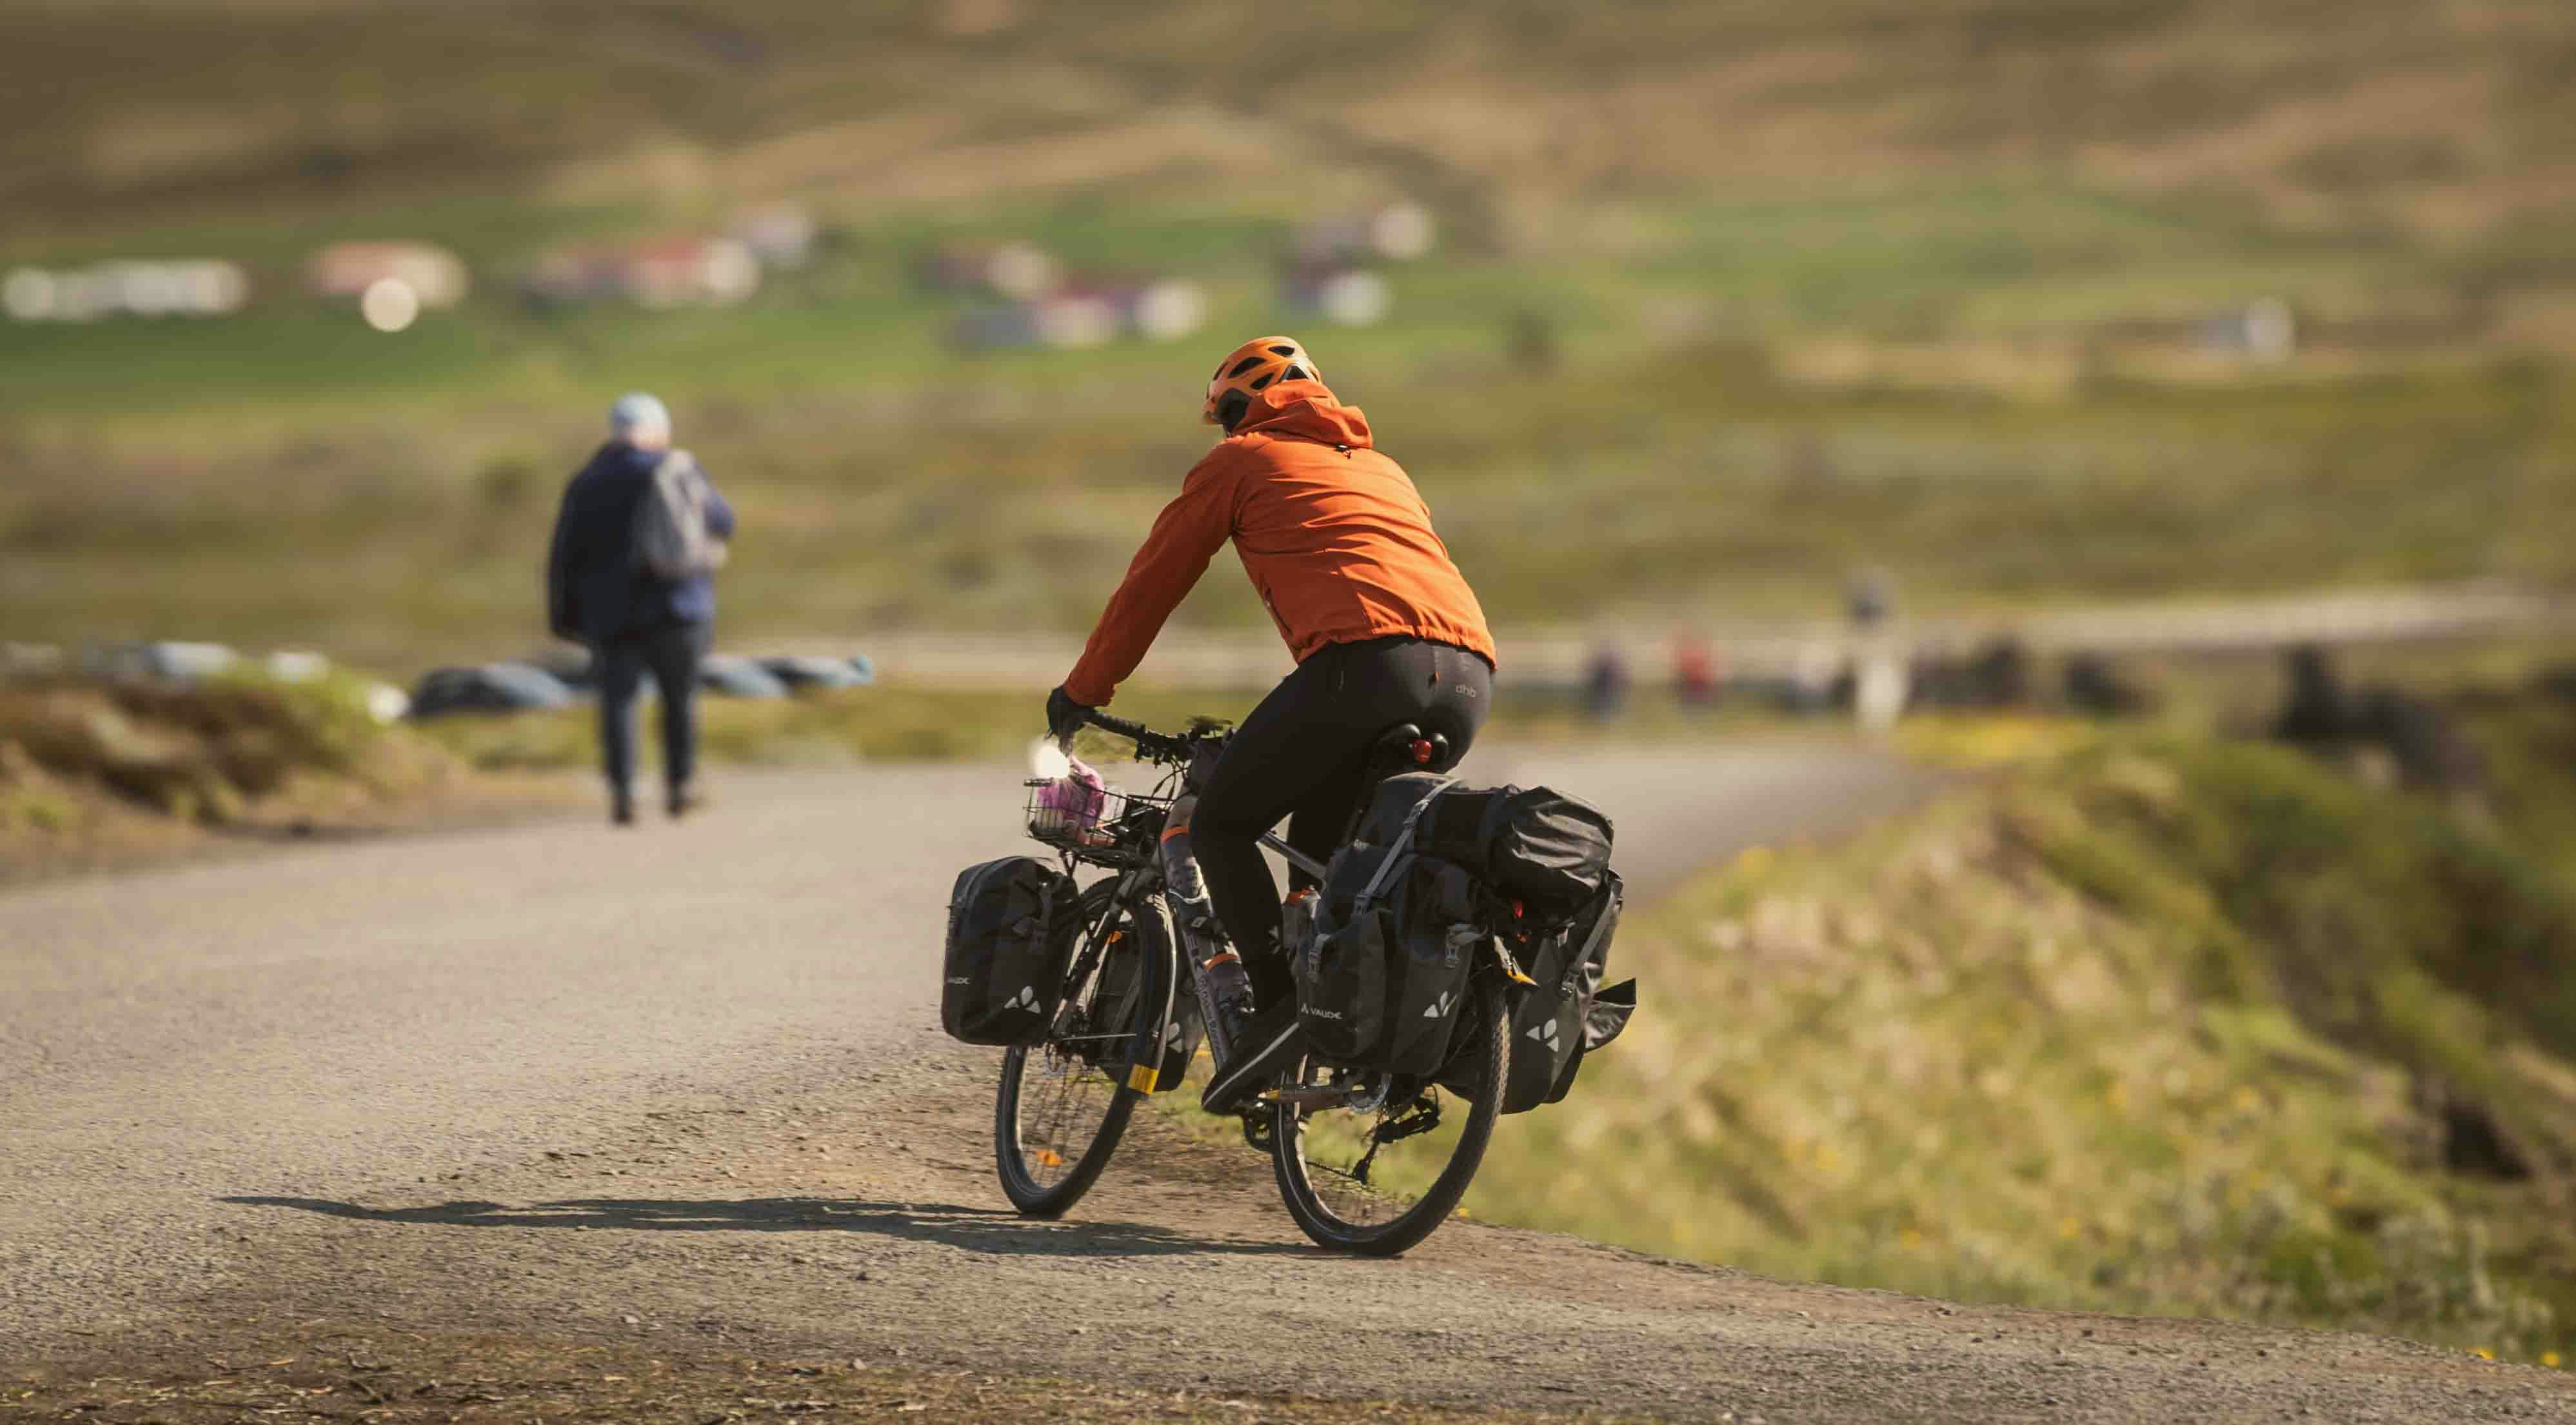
(1026, 999)
(1439, 1008)
(1311, 1012)
(960, 980)
(1547, 1034)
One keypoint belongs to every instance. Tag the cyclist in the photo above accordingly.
(1384, 628)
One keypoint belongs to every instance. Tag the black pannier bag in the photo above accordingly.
(1532, 844)
(1566, 1013)
(1123, 983)
(1341, 979)
(1393, 803)
(1383, 964)
(1006, 958)
(1438, 944)
(1611, 1010)
(1180, 1042)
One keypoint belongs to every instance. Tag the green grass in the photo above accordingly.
(2154, 1024)
(1946, 327)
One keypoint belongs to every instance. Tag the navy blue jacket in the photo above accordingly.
(596, 589)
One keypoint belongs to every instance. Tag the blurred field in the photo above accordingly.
(1729, 299)
(2146, 1022)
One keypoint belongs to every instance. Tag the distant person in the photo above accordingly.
(1605, 683)
(1694, 671)
(2318, 711)
(632, 575)
(1869, 596)
(1384, 628)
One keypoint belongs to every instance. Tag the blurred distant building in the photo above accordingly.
(345, 270)
(1075, 319)
(686, 272)
(1162, 309)
(1166, 310)
(1017, 270)
(783, 235)
(672, 272)
(2265, 331)
(1345, 297)
(185, 287)
(1394, 232)
(1063, 320)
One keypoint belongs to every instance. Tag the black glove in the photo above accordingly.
(1064, 716)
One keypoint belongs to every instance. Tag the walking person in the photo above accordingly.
(632, 575)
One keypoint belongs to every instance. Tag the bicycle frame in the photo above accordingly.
(1174, 877)
(1296, 858)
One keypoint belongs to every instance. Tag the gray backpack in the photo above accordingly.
(671, 537)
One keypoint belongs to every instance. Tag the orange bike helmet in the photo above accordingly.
(1251, 369)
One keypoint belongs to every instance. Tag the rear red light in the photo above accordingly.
(1421, 752)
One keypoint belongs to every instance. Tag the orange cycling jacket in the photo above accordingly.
(1332, 533)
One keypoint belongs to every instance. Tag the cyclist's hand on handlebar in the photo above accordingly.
(1065, 717)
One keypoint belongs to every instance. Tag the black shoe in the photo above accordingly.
(621, 808)
(1272, 1042)
(682, 801)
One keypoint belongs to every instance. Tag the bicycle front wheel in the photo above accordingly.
(1064, 1104)
(1376, 1178)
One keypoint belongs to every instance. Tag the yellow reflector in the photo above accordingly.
(1049, 1158)
(1142, 1077)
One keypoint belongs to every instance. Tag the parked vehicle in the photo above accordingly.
(734, 676)
(802, 671)
(488, 687)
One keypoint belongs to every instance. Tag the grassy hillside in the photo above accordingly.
(2151, 1026)
(1728, 298)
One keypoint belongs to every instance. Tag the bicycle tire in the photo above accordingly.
(1320, 1212)
(1043, 1189)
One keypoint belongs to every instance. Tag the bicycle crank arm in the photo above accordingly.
(1314, 1096)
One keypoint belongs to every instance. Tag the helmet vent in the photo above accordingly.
(1293, 373)
(1244, 365)
(1262, 380)
(1283, 351)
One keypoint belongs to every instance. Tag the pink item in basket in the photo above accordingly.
(1073, 801)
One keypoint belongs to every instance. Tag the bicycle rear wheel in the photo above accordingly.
(1377, 1178)
(1063, 1105)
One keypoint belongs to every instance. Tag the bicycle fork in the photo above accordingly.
(1216, 972)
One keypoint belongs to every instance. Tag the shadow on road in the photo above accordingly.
(974, 1228)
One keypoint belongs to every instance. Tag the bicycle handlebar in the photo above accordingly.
(1160, 746)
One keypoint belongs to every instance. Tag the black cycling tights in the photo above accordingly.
(1302, 754)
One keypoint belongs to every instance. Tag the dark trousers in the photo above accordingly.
(1302, 755)
(670, 653)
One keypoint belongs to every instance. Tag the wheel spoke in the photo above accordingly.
(1379, 1174)
(1064, 1103)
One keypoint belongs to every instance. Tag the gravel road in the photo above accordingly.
(680, 1088)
